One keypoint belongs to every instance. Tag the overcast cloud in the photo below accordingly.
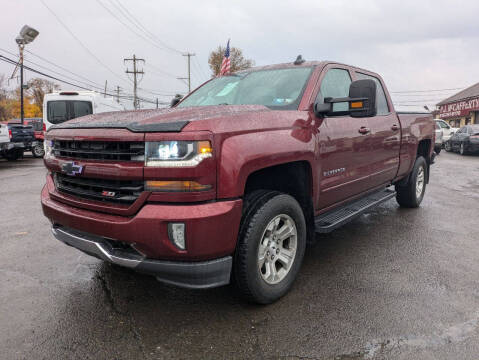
(414, 45)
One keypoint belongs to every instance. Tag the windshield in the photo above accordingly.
(275, 88)
(59, 111)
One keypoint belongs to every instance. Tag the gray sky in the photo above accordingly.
(414, 45)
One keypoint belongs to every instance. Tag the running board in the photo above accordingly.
(333, 219)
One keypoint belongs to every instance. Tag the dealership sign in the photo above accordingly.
(457, 109)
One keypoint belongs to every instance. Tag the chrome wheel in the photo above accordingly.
(277, 249)
(38, 151)
(419, 182)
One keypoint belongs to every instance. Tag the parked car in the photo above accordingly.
(465, 140)
(205, 190)
(447, 130)
(38, 131)
(22, 139)
(4, 138)
(439, 139)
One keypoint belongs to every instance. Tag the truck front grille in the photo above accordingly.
(115, 191)
(99, 150)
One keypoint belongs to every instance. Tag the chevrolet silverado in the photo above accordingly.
(233, 181)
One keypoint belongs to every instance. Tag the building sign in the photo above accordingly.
(458, 109)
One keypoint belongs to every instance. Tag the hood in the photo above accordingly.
(157, 120)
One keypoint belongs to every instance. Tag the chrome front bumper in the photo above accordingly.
(196, 275)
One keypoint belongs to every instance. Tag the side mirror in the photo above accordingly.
(361, 101)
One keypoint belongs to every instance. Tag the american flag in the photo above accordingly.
(225, 65)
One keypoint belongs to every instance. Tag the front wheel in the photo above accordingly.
(38, 151)
(462, 149)
(447, 146)
(271, 246)
(438, 149)
(411, 194)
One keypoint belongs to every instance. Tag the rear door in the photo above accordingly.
(343, 150)
(385, 138)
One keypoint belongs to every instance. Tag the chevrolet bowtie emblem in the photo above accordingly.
(72, 169)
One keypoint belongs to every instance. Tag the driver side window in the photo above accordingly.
(335, 84)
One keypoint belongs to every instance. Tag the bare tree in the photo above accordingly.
(237, 60)
(37, 88)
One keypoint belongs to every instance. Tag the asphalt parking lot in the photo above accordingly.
(393, 284)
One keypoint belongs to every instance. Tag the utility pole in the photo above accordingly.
(118, 94)
(189, 70)
(106, 83)
(135, 72)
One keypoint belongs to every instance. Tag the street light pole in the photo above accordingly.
(26, 36)
(22, 111)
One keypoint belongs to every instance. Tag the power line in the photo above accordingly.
(55, 72)
(423, 91)
(80, 42)
(129, 97)
(139, 25)
(139, 34)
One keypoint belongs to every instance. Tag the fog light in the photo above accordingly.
(176, 233)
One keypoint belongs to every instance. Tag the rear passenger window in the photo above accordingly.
(382, 103)
(335, 84)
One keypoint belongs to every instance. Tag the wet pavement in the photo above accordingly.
(393, 284)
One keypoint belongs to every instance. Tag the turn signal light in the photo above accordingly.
(175, 186)
(357, 105)
(204, 147)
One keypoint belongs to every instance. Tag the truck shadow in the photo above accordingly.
(174, 322)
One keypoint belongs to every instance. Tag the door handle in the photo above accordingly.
(394, 127)
(364, 130)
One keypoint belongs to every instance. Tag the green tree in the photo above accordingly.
(237, 60)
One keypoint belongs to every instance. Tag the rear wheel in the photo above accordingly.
(38, 151)
(411, 194)
(271, 246)
(438, 149)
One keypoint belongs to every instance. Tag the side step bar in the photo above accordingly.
(333, 219)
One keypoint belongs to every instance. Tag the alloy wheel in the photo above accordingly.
(277, 249)
(419, 182)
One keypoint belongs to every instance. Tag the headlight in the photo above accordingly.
(176, 153)
(48, 146)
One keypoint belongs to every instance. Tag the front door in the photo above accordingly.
(343, 149)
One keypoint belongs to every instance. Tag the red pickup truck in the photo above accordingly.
(236, 178)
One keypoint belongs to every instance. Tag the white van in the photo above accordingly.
(66, 105)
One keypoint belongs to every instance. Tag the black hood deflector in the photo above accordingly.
(176, 126)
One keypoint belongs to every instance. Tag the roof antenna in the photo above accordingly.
(299, 60)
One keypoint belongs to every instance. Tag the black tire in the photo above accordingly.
(38, 151)
(447, 146)
(462, 149)
(406, 195)
(261, 207)
(438, 149)
(14, 154)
